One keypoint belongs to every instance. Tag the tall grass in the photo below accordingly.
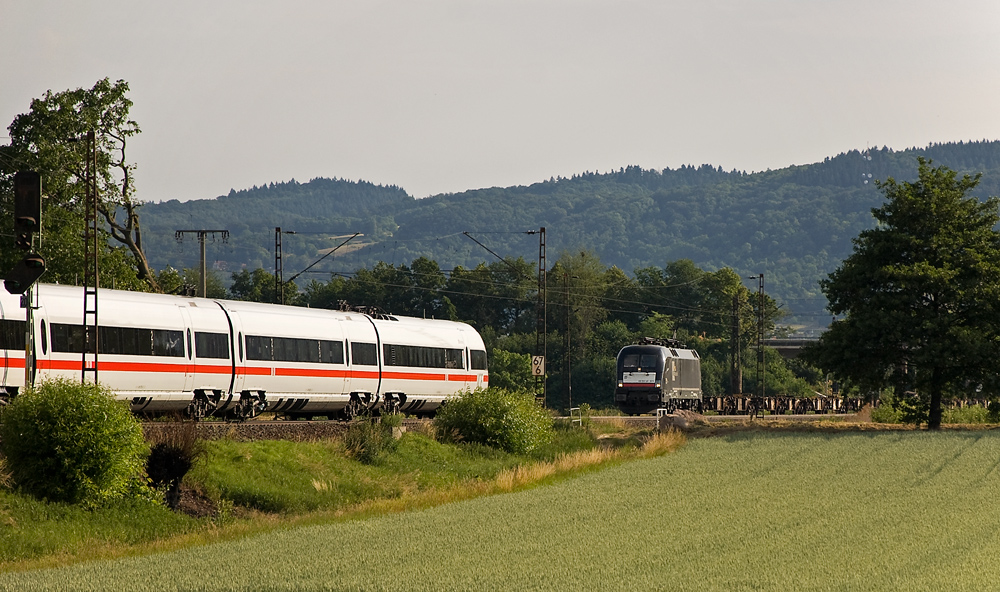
(261, 485)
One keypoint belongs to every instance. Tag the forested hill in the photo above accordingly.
(794, 224)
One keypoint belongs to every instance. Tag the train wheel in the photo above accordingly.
(352, 410)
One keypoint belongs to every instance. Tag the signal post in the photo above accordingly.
(20, 279)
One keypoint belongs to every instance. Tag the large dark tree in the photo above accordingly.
(920, 294)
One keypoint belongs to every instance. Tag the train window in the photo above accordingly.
(293, 350)
(259, 348)
(239, 339)
(331, 352)
(11, 334)
(211, 345)
(631, 361)
(364, 354)
(129, 341)
(45, 339)
(190, 348)
(347, 361)
(67, 338)
(417, 356)
(168, 343)
(287, 349)
(478, 359)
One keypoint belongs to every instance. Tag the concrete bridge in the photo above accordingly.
(788, 348)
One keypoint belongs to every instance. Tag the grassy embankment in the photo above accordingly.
(756, 510)
(259, 486)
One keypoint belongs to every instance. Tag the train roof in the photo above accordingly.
(66, 291)
(669, 352)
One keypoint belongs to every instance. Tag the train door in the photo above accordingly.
(189, 368)
(237, 350)
(362, 356)
(42, 345)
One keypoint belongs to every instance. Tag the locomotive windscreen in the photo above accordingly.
(640, 361)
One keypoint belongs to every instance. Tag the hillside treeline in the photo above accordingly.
(794, 224)
(592, 311)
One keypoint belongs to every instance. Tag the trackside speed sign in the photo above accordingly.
(538, 365)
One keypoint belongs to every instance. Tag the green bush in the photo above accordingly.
(886, 413)
(908, 408)
(496, 417)
(71, 442)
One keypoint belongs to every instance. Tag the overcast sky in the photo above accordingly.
(444, 96)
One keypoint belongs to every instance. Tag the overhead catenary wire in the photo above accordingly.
(580, 306)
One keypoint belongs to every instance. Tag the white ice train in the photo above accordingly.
(226, 358)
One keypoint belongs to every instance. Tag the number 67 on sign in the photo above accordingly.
(538, 365)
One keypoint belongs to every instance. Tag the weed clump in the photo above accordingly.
(496, 417)
(172, 454)
(71, 442)
(368, 439)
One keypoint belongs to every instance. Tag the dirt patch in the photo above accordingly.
(195, 503)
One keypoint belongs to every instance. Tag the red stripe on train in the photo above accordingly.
(412, 376)
(109, 366)
(462, 378)
(116, 366)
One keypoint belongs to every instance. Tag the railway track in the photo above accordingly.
(303, 430)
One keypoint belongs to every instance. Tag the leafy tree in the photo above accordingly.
(186, 281)
(50, 139)
(426, 294)
(921, 293)
(253, 286)
(500, 294)
(258, 286)
(511, 371)
(609, 338)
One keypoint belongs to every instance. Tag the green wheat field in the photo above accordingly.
(752, 511)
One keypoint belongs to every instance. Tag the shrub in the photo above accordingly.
(72, 442)
(908, 408)
(368, 439)
(971, 414)
(496, 417)
(886, 413)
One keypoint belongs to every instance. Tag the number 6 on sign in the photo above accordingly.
(538, 365)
